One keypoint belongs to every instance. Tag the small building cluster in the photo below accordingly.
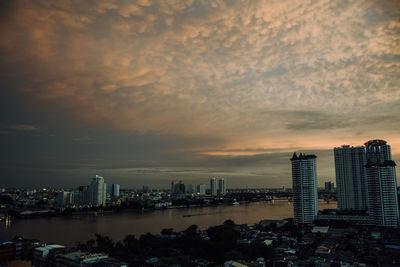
(96, 194)
(217, 187)
(26, 253)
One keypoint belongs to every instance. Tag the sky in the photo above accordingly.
(146, 92)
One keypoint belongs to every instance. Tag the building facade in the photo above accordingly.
(377, 150)
(201, 189)
(115, 190)
(305, 196)
(213, 187)
(221, 186)
(97, 191)
(383, 206)
(350, 177)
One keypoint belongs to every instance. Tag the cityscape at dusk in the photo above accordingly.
(234, 133)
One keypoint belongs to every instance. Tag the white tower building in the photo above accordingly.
(305, 196)
(97, 189)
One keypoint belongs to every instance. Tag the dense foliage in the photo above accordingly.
(217, 246)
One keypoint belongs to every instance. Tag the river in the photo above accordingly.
(68, 230)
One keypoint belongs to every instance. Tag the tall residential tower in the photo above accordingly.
(305, 196)
(97, 191)
(383, 206)
(221, 186)
(213, 187)
(350, 177)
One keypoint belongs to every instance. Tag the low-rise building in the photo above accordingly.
(43, 254)
(79, 258)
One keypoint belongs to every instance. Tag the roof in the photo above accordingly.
(5, 242)
(321, 229)
(234, 264)
(302, 156)
(49, 247)
(375, 142)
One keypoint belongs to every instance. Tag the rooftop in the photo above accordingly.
(49, 247)
(302, 156)
(375, 142)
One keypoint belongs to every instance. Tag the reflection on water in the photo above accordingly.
(68, 230)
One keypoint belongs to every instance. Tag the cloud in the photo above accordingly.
(191, 68)
(25, 128)
(240, 77)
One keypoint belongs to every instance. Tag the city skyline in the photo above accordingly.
(149, 91)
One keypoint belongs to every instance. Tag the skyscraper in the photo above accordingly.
(189, 189)
(97, 191)
(383, 206)
(350, 177)
(221, 186)
(115, 190)
(213, 187)
(305, 196)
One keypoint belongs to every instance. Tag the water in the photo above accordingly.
(68, 230)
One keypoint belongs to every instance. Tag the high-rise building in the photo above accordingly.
(213, 187)
(64, 198)
(109, 190)
(115, 190)
(145, 189)
(329, 187)
(350, 177)
(383, 206)
(97, 191)
(305, 196)
(201, 189)
(189, 189)
(82, 197)
(221, 186)
(178, 189)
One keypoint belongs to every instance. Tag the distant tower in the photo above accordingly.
(172, 188)
(97, 189)
(201, 189)
(189, 189)
(179, 188)
(383, 206)
(350, 177)
(305, 196)
(329, 187)
(221, 186)
(213, 187)
(115, 190)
